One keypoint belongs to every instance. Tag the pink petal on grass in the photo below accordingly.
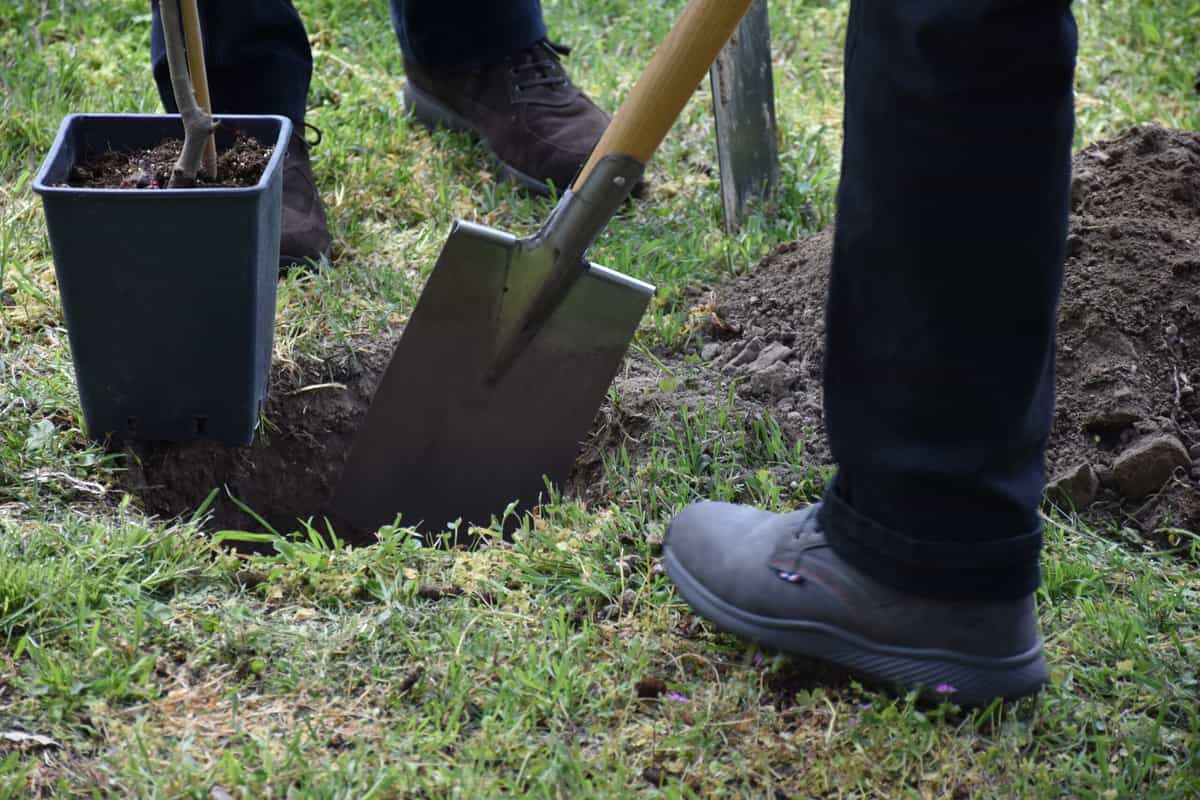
(677, 697)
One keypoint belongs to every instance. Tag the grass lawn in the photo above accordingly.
(146, 661)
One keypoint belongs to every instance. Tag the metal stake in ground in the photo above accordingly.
(514, 342)
(744, 109)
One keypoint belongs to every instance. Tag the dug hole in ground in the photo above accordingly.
(1126, 431)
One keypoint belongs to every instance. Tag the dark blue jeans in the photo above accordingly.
(258, 59)
(947, 265)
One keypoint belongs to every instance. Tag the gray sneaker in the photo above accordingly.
(774, 579)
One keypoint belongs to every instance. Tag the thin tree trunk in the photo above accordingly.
(197, 123)
(196, 68)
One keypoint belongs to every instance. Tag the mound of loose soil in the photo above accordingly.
(1129, 331)
(1128, 419)
(239, 165)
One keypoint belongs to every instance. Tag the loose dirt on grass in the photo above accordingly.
(1125, 433)
(238, 165)
(313, 411)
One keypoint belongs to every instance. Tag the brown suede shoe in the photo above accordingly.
(304, 231)
(538, 125)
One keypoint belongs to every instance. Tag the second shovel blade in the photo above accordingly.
(441, 443)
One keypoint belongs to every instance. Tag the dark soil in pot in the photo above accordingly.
(240, 164)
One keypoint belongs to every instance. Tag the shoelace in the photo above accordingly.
(309, 126)
(298, 136)
(812, 524)
(543, 66)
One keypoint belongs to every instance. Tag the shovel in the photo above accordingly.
(514, 342)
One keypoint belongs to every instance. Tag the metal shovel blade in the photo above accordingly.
(443, 442)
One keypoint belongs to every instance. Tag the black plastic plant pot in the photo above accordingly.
(169, 294)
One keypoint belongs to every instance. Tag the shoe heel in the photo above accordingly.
(432, 113)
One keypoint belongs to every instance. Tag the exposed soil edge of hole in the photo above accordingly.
(311, 416)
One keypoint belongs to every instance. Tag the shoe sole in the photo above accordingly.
(976, 680)
(433, 114)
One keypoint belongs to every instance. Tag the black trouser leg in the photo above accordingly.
(465, 33)
(256, 55)
(259, 61)
(952, 217)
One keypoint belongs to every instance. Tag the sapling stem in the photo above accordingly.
(195, 53)
(197, 123)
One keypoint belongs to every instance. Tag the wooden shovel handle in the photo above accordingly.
(677, 68)
(189, 12)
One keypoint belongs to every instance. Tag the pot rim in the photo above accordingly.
(279, 149)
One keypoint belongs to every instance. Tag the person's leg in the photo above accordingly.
(465, 33)
(919, 565)
(256, 53)
(258, 61)
(948, 254)
(487, 68)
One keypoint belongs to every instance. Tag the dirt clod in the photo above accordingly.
(1144, 468)
(770, 355)
(654, 776)
(409, 681)
(430, 591)
(1114, 412)
(1076, 488)
(747, 354)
